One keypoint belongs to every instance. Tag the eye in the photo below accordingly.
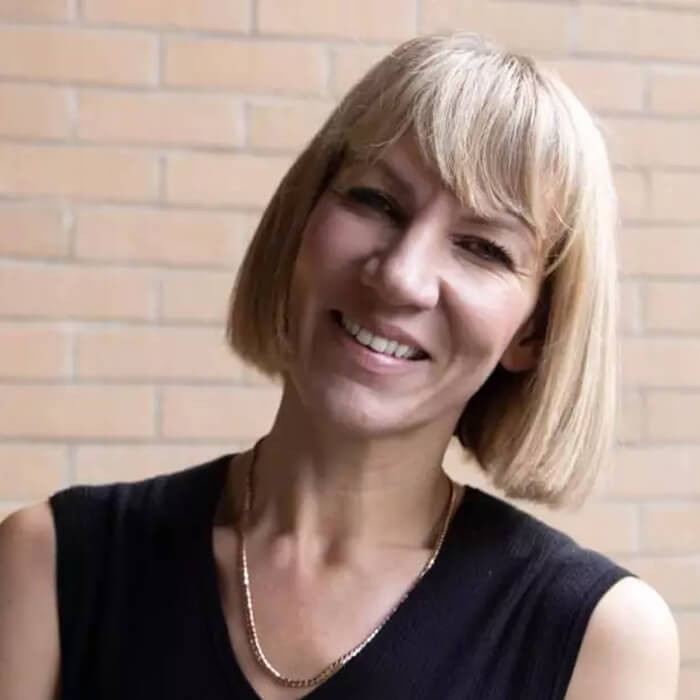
(377, 201)
(486, 250)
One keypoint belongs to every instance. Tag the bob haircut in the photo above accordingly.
(504, 135)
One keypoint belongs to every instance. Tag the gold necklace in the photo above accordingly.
(252, 632)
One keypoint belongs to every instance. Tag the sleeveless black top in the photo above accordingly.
(500, 616)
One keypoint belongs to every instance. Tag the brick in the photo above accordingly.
(28, 111)
(335, 19)
(78, 55)
(31, 472)
(604, 85)
(36, 10)
(32, 231)
(675, 91)
(76, 412)
(689, 683)
(461, 468)
(264, 67)
(676, 578)
(630, 417)
(630, 320)
(67, 291)
(531, 26)
(248, 226)
(674, 196)
(348, 65)
(226, 180)
(156, 353)
(661, 362)
(157, 118)
(671, 3)
(252, 377)
(689, 634)
(673, 306)
(196, 296)
(660, 251)
(84, 173)
(216, 15)
(285, 125)
(652, 472)
(653, 142)
(674, 415)
(607, 527)
(638, 32)
(33, 351)
(169, 236)
(671, 528)
(217, 413)
(632, 194)
(101, 464)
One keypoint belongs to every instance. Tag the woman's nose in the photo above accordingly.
(405, 272)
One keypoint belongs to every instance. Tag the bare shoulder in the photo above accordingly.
(29, 642)
(630, 649)
(32, 524)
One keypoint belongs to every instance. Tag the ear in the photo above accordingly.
(523, 352)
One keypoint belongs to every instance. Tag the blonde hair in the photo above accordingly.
(504, 134)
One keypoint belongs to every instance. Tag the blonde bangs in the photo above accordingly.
(490, 123)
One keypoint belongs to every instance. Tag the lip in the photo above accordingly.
(386, 330)
(372, 362)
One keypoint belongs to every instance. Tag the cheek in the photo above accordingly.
(333, 244)
(332, 239)
(314, 255)
(330, 244)
(487, 312)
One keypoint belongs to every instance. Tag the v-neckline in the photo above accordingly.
(398, 626)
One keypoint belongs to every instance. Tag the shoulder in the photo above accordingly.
(151, 501)
(630, 648)
(27, 543)
(33, 522)
(29, 641)
(27, 539)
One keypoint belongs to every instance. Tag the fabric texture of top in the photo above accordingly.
(500, 616)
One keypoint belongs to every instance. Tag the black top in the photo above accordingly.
(500, 616)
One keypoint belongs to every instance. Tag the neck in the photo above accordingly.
(326, 494)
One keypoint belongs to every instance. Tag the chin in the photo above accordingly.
(356, 410)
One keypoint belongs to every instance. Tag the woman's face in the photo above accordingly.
(403, 302)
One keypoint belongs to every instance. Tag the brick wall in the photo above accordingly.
(139, 140)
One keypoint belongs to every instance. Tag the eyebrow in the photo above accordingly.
(388, 171)
(507, 221)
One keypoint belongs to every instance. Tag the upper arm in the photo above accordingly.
(29, 640)
(630, 648)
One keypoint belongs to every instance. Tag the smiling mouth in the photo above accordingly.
(377, 343)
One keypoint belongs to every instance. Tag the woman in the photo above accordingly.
(439, 261)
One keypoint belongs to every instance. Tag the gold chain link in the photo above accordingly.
(334, 666)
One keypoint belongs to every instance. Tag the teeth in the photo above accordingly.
(364, 336)
(377, 342)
